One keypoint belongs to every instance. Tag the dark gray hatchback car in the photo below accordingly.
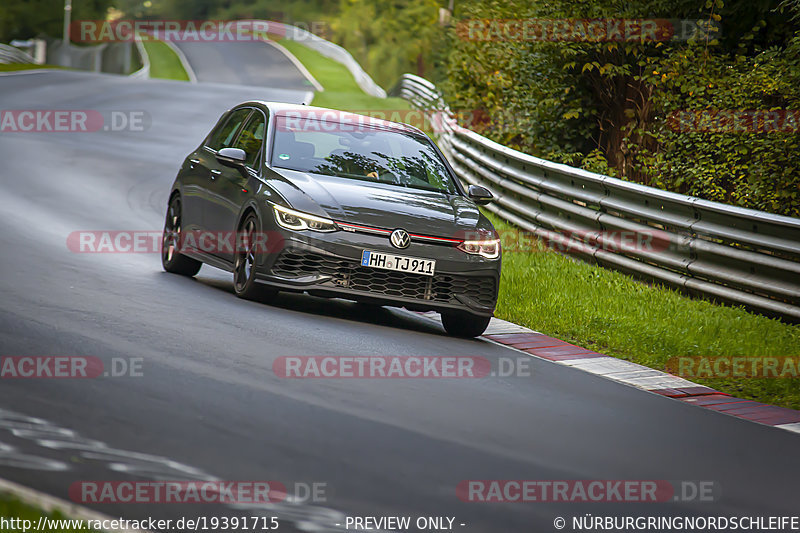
(299, 198)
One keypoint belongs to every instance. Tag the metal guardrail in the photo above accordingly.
(79, 57)
(111, 57)
(728, 253)
(10, 54)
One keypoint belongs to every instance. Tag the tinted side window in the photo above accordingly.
(223, 136)
(251, 139)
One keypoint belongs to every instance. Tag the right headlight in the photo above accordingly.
(299, 221)
(490, 248)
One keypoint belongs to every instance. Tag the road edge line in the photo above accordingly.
(187, 67)
(296, 62)
(535, 344)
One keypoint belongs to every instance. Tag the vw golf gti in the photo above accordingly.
(306, 199)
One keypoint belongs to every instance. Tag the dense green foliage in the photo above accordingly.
(303, 12)
(23, 19)
(606, 106)
(387, 37)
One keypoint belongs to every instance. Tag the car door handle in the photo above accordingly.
(215, 173)
(193, 162)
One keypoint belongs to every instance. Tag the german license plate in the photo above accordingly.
(400, 263)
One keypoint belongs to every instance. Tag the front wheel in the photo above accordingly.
(462, 324)
(244, 263)
(171, 259)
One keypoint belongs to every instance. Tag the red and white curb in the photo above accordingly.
(48, 504)
(555, 350)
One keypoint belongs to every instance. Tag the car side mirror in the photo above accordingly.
(480, 195)
(232, 157)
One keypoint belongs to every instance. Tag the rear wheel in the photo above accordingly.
(171, 259)
(462, 324)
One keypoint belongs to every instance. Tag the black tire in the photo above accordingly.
(171, 259)
(462, 324)
(244, 261)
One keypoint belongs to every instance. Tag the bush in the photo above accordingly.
(606, 106)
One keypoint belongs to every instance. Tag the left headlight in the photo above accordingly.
(299, 221)
(490, 249)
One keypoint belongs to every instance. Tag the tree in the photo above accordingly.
(388, 37)
(24, 19)
(604, 105)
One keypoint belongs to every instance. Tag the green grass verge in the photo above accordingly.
(612, 313)
(12, 67)
(341, 90)
(11, 507)
(164, 63)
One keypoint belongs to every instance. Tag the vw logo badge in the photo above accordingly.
(400, 239)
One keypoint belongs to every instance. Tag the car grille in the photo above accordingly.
(350, 275)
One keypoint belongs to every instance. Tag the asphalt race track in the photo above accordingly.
(246, 63)
(208, 404)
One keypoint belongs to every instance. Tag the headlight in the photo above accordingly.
(490, 249)
(297, 221)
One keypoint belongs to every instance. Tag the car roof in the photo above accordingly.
(332, 115)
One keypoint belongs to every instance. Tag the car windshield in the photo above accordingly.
(360, 152)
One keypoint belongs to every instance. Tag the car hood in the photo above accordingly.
(380, 205)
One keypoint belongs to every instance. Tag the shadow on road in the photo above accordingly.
(331, 307)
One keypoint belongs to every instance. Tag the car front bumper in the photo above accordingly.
(329, 265)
